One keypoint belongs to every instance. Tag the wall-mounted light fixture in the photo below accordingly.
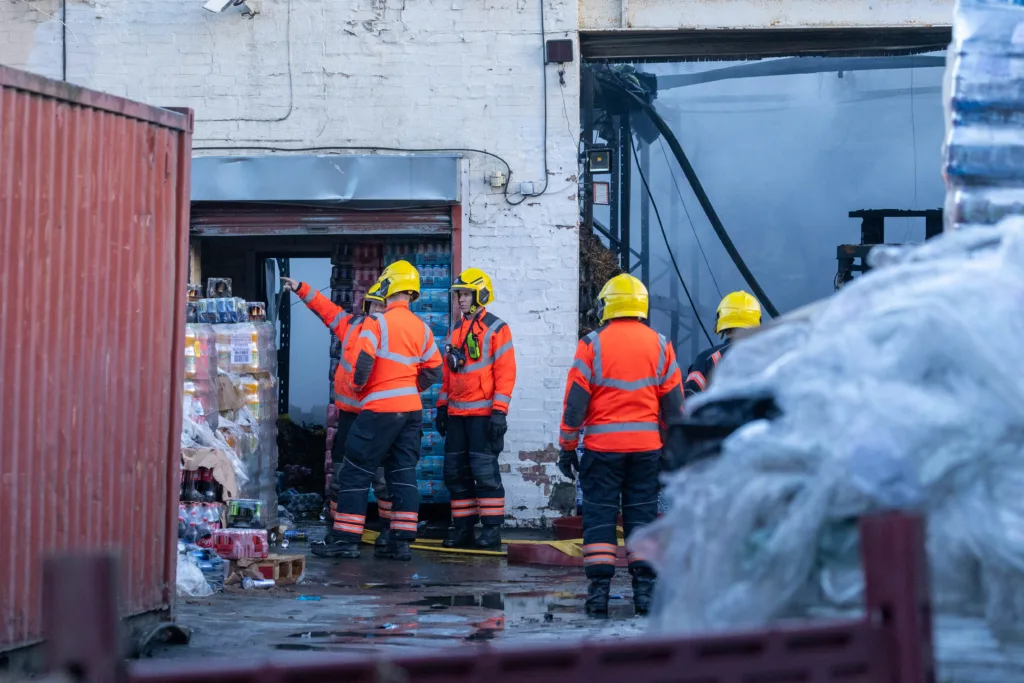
(599, 160)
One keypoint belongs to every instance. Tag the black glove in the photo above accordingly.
(567, 462)
(496, 431)
(673, 453)
(441, 421)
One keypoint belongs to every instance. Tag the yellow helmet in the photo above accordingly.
(623, 296)
(478, 282)
(372, 296)
(738, 309)
(400, 276)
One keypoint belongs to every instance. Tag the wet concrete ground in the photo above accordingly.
(437, 600)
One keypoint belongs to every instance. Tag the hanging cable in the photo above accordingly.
(705, 202)
(672, 257)
(693, 228)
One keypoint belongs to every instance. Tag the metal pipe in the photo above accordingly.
(799, 65)
(705, 204)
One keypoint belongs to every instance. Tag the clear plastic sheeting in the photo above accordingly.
(247, 366)
(191, 583)
(904, 390)
(228, 439)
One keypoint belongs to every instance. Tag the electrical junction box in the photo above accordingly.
(558, 51)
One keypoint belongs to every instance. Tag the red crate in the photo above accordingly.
(236, 544)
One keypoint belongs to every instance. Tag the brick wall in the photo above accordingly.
(395, 73)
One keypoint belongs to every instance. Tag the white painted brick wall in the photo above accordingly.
(396, 73)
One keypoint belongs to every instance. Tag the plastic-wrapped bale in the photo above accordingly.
(984, 103)
(260, 458)
(903, 390)
(247, 357)
(200, 389)
(246, 348)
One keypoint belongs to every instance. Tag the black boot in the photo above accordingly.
(380, 546)
(490, 538)
(395, 550)
(329, 537)
(597, 596)
(342, 549)
(643, 590)
(460, 535)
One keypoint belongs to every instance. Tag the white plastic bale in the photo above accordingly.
(190, 582)
(905, 390)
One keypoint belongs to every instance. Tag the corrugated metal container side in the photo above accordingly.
(94, 195)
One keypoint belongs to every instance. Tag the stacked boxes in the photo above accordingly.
(984, 101)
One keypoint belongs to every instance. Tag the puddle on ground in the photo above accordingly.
(398, 586)
(298, 646)
(483, 634)
(472, 617)
(485, 600)
(531, 603)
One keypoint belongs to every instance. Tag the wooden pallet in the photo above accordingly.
(284, 569)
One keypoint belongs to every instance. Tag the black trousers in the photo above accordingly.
(611, 480)
(471, 471)
(345, 420)
(374, 438)
(380, 489)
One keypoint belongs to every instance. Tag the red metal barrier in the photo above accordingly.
(891, 644)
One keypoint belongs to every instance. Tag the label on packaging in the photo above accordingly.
(241, 348)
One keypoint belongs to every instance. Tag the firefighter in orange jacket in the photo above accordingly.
(479, 375)
(396, 358)
(345, 327)
(623, 379)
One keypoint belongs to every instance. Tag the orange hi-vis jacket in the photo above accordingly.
(624, 375)
(485, 384)
(396, 358)
(345, 327)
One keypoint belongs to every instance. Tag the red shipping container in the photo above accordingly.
(94, 221)
(236, 544)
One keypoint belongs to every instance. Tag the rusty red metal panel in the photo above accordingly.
(93, 247)
(237, 219)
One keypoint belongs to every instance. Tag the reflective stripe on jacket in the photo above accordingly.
(396, 358)
(345, 396)
(342, 324)
(624, 376)
(484, 384)
(699, 374)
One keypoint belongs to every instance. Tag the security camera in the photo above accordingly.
(218, 5)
